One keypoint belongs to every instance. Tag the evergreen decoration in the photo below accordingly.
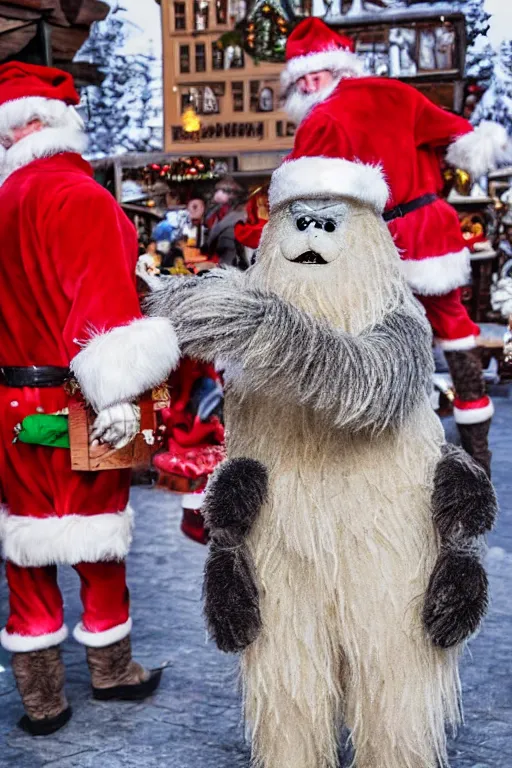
(266, 31)
(496, 103)
(184, 169)
(124, 114)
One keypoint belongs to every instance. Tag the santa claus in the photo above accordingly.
(342, 113)
(65, 307)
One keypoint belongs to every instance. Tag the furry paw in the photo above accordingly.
(464, 502)
(235, 495)
(231, 596)
(456, 599)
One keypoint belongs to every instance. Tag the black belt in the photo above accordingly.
(34, 376)
(413, 205)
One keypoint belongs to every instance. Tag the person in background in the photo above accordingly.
(176, 224)
(343, 114)
(226, 196)
(221, 240)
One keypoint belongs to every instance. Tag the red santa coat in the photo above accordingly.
(385, 122)
(67, 272)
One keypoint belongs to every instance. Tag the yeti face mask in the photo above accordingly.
(314, 231)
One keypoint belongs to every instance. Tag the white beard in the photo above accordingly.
(298, 105)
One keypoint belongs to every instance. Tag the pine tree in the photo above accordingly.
(496, 103)
(122, 113)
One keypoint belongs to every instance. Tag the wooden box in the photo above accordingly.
(85, 458)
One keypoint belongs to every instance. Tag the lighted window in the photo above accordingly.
(201, 15)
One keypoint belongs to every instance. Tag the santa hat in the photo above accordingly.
(327, 177)
(312, 47)
(30, 92)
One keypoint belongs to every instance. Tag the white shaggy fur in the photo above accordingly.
(326, 177)
(482, 150)
(52, 112)
(336, 61)
(102, 639)
(29, 643)
(36, 542)
(343, 549)
(438, 275)
(117, 366)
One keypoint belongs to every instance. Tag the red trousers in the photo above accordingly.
(36, 618)
(450, 321)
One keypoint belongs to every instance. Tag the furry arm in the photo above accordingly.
(464, 509)
(372, 380)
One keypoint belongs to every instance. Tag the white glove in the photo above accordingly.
(117, 425)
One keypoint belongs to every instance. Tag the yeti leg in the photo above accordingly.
(397, 702)
(233, 500)
(291, 676)
(464, 509)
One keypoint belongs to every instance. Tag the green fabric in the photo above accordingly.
(45, 429)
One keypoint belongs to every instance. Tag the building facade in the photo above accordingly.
(235, 98)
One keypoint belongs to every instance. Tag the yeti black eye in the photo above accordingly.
(330, 226)
(303, 223)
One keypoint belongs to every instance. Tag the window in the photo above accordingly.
(184, 59)
(201, 15)
(217, 56)
(221, 8)
(238, 96)
(200, 57)
(255, 96)
(180, 18)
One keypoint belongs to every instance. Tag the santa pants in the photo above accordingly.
(456, 334)
(36, 618)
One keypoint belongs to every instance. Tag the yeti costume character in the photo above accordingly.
(345, 556)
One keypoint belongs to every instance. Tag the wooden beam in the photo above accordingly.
(66, 41)
(14, 42)
(83, 72)
(15, 12)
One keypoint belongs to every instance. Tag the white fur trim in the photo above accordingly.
(473, 415)
(29, 643)
(337, 60)
(453, 345)
(482, 150)
(310, 177)
(192, 500)
(102, 639)
(44, 143)
(438, 275)
(121, 364)
(51, 112)
(36, 542)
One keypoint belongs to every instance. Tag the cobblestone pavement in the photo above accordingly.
(194, 719)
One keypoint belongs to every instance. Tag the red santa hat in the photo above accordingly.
(30, 92)
(327, 177)
(312, 47)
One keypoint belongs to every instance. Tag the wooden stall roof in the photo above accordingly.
(50, 32)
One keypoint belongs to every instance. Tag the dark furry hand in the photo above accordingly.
(231, 596)
(456, 599)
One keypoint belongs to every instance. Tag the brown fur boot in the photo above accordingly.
(40, 677)
(473, 438)
(466, 371)
(115, 675)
